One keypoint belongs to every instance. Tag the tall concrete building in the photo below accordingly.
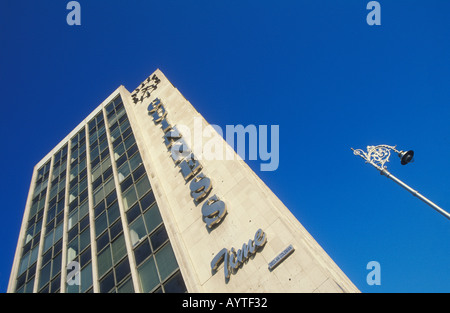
(127, 202)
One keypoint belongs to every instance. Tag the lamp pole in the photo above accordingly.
(377, 156)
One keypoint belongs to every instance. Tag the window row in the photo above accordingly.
(96, 123)
(43, 173)
(30, 248)
(78, 140)
(50, 269)
(159, 272)
(55, 214)
(101, 173)
(114, 109)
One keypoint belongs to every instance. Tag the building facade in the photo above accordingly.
(127, 202)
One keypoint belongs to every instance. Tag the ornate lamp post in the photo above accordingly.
(377, 156)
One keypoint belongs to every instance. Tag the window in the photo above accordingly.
(78, 237)
(167, 264)
(103, 191)
(129, 166)
(30, 249)
(115, 110)
(159, 272)
(134, 190)
(148, 275)
(157, 268)
(50, 271)
(113, 265)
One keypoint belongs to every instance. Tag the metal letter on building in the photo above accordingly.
(213, 211)
(200, 187)
(189, 167)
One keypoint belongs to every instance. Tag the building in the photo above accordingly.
(124, 204)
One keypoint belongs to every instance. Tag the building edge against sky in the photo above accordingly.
(218, 227)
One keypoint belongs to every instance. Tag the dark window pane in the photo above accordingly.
(56, 283)
(113, 126)
(26, 248)
(21, 280)
(32, 271)
(122, 270)
(133, 213)
(107, 173)
(101, 224)
(72, 233)
(102, 241)
(147, 200)
(121, 160)
(111, 198)
(115, 229)
(47, 257)
(107, 283)
(104, 154)
(45, 290)
(72, 205)
(99, 209)
(158, 238)
(85, 257)
(96, 183)
(95, 161)
(126, 287)
(83, 173)
(45, 275)
(126, 183)
(104, 261)
(127, 132)
(132, 150)
(175, 284)
(119, 104)
(83, 195)
(84, 222)
(113, 213)
(58, 247)
(117, 142)
(56, 267)
(92, 124)
(59, 218)
(142, 252)
(139, 172)
(109, 107)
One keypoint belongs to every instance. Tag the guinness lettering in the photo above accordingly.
(200, 187)
(190, 167)
(213, 210)
(179, 151)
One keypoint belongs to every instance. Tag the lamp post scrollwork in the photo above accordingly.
(378, 156)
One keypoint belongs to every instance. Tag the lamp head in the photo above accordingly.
(406, 157)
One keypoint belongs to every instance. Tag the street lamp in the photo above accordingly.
(377, 156)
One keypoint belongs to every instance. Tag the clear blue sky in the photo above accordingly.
(313, 67)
